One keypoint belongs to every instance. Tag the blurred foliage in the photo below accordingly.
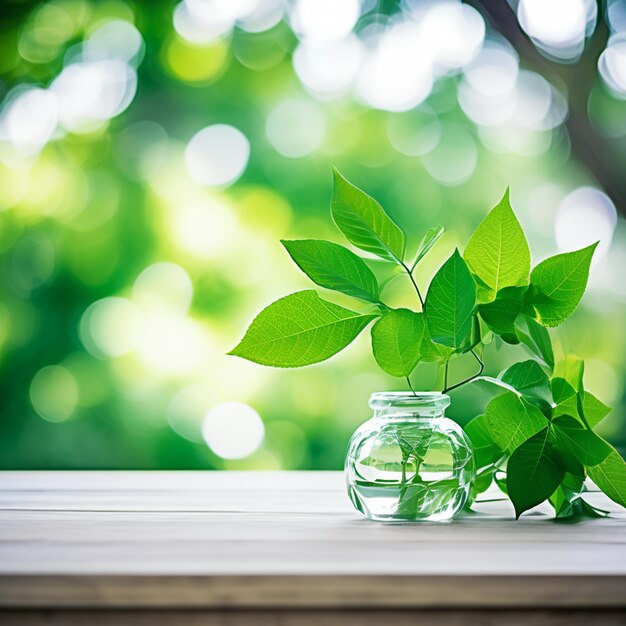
(133, 257)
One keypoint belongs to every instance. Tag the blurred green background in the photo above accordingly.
(153, 154)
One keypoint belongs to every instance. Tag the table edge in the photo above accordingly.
(291, 591)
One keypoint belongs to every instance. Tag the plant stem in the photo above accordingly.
(467, 380)
(445, 374)
(417, 289)
(408, 380)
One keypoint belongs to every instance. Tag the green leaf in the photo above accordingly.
(364, 222)
(497, 382)
(421, 495)
(568, 492)
(334, 267)
(566, 403)
(568, 458)
(450, 303)
(397, 340)
(595, 410)
(531, 381)
(498, 251)
(486, 450)
(572, 369)
(534, 472)
(428, 241)
(560, 282)
(411, 500)
(300, 329)
(583, 443)
(610, 476)
(535, 337)
(562, 392)
(578, 510)
(564, 397)
(500, 314)
(431, 351)
(512, 420)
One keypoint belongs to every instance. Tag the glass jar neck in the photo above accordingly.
(408, 405)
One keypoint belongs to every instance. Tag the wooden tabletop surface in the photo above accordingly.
(250, 539)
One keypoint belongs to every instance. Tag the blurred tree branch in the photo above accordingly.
(602, 158)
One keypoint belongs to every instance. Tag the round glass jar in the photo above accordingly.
(409, 462)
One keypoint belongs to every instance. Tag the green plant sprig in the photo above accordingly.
(541, 427)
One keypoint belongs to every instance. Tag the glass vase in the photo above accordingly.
(409, 462)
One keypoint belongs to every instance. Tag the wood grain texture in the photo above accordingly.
(316, 618)
(218, 540)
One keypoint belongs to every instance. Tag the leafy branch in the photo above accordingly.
(539, 431)
(446, 389)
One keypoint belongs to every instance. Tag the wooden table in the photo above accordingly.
(286, 548)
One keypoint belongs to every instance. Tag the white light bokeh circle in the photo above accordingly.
(414, 133)
(488, 92)
(557, 22)
(116, 39)
(391, 79)
(324, 19)
(511, 138)
(29, 120)
(217, 155)
(108, 327)
(493, 72)
(453, 32)
(328, 67)
(187, 409)
(484, 109)
(558, 27)
(90, 93)
(296, 127)
(165, 285)
(533, 101)
(233, 430)
(612, 65)
(263, 16)
(172, 343)
(454, 159)
(583, 217)
(204, 230)
(195, 22)
(616, 15)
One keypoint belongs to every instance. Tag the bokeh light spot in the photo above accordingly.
(324, 19)
(54, 393)
(29, 119)
(116, 39)
(197, 63)
(108, 327)
(612, 65)
(163, 285)
(31, 263)
(217, 155)
(91, 93)
(296, 127)
(187, 410)
(585, 216)
(558, 27)
(454, 159)
(203, 229)
(233, 430)
(414, 133)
